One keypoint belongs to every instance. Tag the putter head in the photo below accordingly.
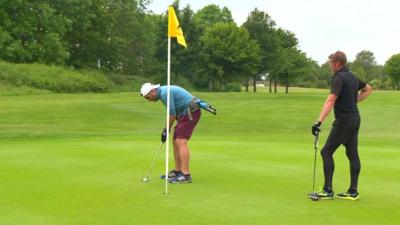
(314, 196)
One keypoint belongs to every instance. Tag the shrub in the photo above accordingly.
(53, 78)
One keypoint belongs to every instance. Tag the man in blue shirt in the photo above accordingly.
(186, 112)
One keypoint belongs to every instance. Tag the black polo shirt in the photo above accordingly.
(346, 86)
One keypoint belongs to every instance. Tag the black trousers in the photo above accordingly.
(344, 131)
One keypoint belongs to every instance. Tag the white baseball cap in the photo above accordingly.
(147, 87)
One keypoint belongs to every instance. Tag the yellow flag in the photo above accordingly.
(174, 29)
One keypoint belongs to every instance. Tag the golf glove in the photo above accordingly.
(164, 135)
(316, 128)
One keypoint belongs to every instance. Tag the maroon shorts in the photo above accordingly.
(184, 128)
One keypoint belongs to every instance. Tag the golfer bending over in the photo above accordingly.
(343, 98)
(183, 109)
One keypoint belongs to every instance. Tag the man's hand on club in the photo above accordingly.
(316, 128)
(164, 135)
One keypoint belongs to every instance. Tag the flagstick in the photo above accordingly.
(168, 100)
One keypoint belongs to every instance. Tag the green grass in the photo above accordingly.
(77, 159)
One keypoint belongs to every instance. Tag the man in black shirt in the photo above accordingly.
(346, 91)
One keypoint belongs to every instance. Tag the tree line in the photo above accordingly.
(124, 37)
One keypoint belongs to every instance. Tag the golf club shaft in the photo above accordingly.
(154, 160)
(315, 159)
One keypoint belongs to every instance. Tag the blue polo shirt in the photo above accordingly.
(179, 101)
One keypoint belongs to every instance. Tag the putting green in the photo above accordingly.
(78, 159)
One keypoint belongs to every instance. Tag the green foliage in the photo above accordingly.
(360, 73)
(110, 35)
(392, 69)
(32, 31)
(382, 84)
(315, 76)
(182, 59)
(262, 29)
(212, 14)
(175, 80)
(287, 39)
(228, 52)
(234, 87)
(365, 66)
(292, 63)
(124, 37)
(53, 78)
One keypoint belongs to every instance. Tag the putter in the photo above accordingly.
(314, 196)
(146, 178)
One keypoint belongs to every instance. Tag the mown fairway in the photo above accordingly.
(78, 159)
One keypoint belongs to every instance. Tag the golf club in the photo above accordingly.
(314, 196)
(146, 178)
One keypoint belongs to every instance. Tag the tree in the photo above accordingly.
(106, 34)
(228, 52)
(204, 18)
(383, 81)
(316, 76)
(128, 39)
(183, 60)
(291, 62)
(366, 65)
(189, 63)
(361, 74)
(151, 65)
(212, 14)
(392, 68)
(294, 66)
(32, 31)
(262, 29)
(186, 59)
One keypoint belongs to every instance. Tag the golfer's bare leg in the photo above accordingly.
(177, 157)
(184, 154)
